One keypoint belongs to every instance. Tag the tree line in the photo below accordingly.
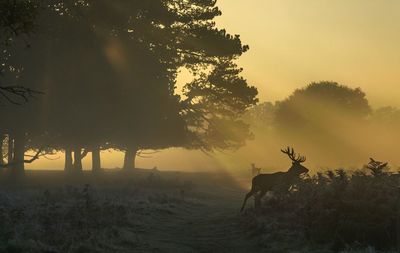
(331, 122)
(107, 72)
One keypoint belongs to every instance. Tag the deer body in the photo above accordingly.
(263, 183)
(270, 182)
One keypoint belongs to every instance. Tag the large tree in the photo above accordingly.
(213, 102)
(109, 68)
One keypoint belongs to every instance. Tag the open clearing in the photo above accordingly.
(165, 211)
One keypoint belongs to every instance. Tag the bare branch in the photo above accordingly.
(31, 160)
(19, 92)
(35, 157)
(85, 153)
(50, 159)
(147, 154)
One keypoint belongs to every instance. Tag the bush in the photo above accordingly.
(334, 209)
(75, 219)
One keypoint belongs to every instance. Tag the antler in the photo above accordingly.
(376, 167)
(376, 164)
(292, 155)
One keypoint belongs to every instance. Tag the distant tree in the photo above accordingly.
(214, 105)
(324, 118)
(261, 115)
(320, 105)
(387, 116)
(384, 124)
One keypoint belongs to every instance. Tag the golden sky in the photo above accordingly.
(292, 42)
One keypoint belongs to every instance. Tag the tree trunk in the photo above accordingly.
(2, 138)
(10, 149)
(96, 162)
(68, 166)
(77, 159)
(18, 167)
(130, 158)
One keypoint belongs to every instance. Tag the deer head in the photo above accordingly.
(297, 169)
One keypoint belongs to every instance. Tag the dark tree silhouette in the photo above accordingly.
(109, 68)
(214, 105)
(17, 18)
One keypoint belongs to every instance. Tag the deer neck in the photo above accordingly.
(291, 172)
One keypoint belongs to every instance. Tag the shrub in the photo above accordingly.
(336, 209)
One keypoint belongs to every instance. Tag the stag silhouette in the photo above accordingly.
(254, 170)
(263, 183)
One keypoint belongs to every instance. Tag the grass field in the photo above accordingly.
(139, 211)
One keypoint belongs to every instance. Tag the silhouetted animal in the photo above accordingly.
(254, 170)
(263, 183)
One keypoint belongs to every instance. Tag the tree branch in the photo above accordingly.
(35, 157)
(19, 92)
(142, 154)
(31, 160)
(84, 153)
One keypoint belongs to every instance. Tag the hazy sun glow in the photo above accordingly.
(295, 42)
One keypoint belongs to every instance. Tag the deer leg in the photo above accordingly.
(248, 195)
(257, 201)
(262, 193)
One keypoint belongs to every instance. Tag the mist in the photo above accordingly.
(132, 126)
(332, 131)
(329, 135)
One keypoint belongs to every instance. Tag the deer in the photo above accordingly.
(254, 170)
(263, 183)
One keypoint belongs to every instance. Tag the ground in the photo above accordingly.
(163, 211)
(137, 211)
(211, 225)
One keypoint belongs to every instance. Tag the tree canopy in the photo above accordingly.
(321, 104)
(17, 19)
(108, 70)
